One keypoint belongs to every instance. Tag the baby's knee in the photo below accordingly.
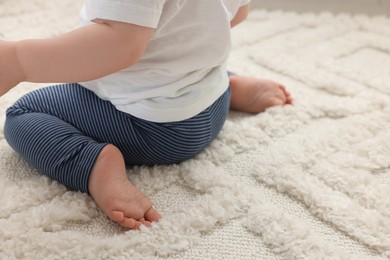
(26, 104)
(17, 109)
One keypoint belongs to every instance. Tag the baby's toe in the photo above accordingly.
(130, 223)
(152, 215)
(287, 95)
(116, 216)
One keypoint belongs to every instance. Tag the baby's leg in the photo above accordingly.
(62, 131)
(255, 95)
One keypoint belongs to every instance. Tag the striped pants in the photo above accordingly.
(60, 130)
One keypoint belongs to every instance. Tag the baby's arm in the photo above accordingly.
(240, 16)
(84, 54)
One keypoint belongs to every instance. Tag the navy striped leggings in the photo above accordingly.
(60, 130)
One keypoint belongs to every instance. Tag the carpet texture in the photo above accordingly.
(309, 181)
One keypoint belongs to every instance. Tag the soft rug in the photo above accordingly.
(308, 181)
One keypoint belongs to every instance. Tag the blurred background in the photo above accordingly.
(374, 7)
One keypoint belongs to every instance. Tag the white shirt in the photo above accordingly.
(183, 70)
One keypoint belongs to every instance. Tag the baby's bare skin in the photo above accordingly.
(122, 202)
(116, 196)
(47, 60)
(253, 95)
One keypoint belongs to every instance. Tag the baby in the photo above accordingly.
(146, 84)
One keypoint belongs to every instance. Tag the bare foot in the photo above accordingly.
(116, 196)
(255, 95)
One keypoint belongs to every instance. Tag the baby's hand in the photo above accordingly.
(10, 72)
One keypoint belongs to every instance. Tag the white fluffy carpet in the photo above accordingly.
(309, 181)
